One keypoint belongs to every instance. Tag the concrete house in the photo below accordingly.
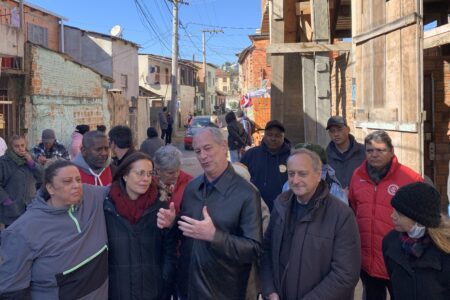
(18, 25)
(207, 101)
(109, 55)
(155, 76)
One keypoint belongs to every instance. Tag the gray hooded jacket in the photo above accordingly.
(57, 253)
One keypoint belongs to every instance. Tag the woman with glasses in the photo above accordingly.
(141, 256)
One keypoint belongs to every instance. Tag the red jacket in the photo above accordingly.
(105, 177)
(177, 195)
(372, 206)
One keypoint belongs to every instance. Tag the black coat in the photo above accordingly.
(324, 260)
(427, 277)
(141, 256)
(220, 269)
(237, 137)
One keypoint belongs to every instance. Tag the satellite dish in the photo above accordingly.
(116, 31)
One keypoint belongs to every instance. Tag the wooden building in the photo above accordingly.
(376, 63)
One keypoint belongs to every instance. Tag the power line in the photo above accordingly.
(221, 27)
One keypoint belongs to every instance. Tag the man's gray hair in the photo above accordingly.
(379, 136)
(215, 132)
(317, 163)
(89, 137)
(167, 158)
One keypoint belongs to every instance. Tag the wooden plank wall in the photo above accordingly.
(388, 74)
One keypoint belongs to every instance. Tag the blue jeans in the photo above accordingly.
(235, 155)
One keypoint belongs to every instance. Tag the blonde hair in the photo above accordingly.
(441, 234)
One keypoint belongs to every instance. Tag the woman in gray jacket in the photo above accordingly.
(58, 248)
(19, 175)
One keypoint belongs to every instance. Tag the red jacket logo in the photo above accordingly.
(392, 189)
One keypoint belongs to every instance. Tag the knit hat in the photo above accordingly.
(420, 202)
(48, 135)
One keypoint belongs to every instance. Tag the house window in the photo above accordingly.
(166, 73)
(37, 34)
(157, 74)
(225, 89)
(123, 81)
(209, 78)
(183, 77)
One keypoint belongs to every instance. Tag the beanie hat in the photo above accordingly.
(48, 135)
(420, 202)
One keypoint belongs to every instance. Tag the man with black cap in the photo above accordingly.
(267, 162)
(344, 153)
(49, 148)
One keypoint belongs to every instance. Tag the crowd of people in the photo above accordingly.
(108, 220)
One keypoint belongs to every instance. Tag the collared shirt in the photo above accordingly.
(209, 185)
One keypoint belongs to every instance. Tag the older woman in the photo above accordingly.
(141, 256)
(171, 179)
(417, 252)
(19, 175)
(58, 248)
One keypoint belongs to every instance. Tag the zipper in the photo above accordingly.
(74, 219)
(372, 228)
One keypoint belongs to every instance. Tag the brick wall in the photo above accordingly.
(255, 68)
(62, 94)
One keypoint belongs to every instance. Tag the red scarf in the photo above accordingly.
(132, 210)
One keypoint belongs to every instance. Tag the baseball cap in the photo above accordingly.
(336, 121)
(274, 123)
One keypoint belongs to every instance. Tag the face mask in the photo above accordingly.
(416, 231)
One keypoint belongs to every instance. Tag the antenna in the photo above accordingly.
(116, 31)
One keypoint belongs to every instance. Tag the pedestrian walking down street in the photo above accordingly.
(152, 143)
(58, 248)
(162, 118)
(19, 175)
(372, 187)
(221, 239)
(242, 118)
(141, 256)
(417, 251)
(93, 161)
(236, 137)
(169, 129)
(267, 162)
(76, 140)
(311, 249)
(49, 149)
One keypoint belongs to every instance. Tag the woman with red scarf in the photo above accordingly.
(141, 256)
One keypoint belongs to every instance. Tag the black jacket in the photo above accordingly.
(220, 269)
(346, 164)
(237, 137)
(141, 256)
(268, 170)
(18, 183)
(427, 277)
(324, 260)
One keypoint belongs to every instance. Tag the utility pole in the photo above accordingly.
(208, 109)
(173, 109)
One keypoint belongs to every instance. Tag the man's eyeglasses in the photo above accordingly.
(375, 150)
(142, 173)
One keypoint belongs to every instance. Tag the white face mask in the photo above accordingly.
(417, 231)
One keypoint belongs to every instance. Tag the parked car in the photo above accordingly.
(196, 123)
